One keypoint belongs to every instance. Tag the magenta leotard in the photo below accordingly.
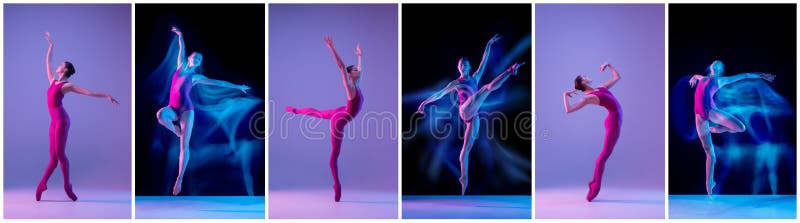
(179, 93)
(466, 89)
(703, 102)
(613, 123)
(59, 128)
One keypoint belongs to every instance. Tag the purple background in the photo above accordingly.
(303, 73)
(97, 39)
(577, 39)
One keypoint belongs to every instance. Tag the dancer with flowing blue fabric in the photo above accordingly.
(470, 99)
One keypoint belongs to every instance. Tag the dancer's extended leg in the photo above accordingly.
(323, 114)
(704, 134)
(612, 125)
(187, 124)
(724, 122)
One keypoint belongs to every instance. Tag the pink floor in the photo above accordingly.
(612, 202)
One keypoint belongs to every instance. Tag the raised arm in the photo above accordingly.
(181, 49)
(74, 88)
(348, 84)
(358, 54)
(722, 81)
(614, 78)
(482, 66)
(201, 79)
(569, 108)
(438, 95)
(47, 59)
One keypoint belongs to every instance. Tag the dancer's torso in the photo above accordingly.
(179, 91)
(608, 101)
(354, 105)
(465, 89)
(54, 101)
(703, 92)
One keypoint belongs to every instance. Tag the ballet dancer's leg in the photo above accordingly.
(470, 134)
(704, 133)
(323, 114)
(62, 130)
(338, 122)
(166, 117)
(187, 124)
(725, 122)
(51, 165)
(612, 125)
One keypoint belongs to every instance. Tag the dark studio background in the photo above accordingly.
(434, 37)
(231, 38)
(747, 38)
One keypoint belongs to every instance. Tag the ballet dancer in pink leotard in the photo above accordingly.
(470, 100)
(602, 97)
(59, 120)
(708, 118)
(351, 77)
(180, 108)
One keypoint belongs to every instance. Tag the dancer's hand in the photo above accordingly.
(358, 49)
(515, 67)
(420, 110)
(175, 30)
(329, 42)
(47, 36)
(604, 66)
(112, 100)
(693, 81)
(767, 76)
(244, 88)
(570, 93)
(494, 38)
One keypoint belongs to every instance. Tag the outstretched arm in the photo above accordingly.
(438, 95)
(342, 68)
(74, 88)
(482, 66)
(47, 59)
(569, 108)
(722, 81)
(614, 78)
(181, 49)
(200, 79)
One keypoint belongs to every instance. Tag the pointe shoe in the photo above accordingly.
(39, 189)
(290, 109)
(70, 194)
(594, 190)
(463, 181)
(710, 189)
(337, 191)
(176, 189)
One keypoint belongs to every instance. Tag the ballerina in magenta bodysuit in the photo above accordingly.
(470, 100)
(59, 120)
(708, 118)
(180, 108)
(602, 97)
(351, 78)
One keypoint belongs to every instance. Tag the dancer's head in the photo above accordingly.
(66, 69)
(195, 59)
(582, 82)
(464, 66)
(717, 68)
(354, 73)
